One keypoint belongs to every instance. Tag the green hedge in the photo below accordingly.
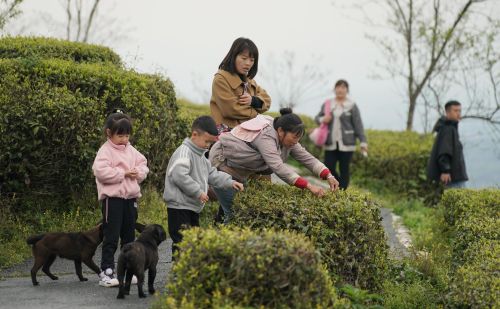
(51, 118)
(397, 159)
(247, 269)
(473, 218)
(345, 227)
(48, 48)
(460, 204)
(476, 282)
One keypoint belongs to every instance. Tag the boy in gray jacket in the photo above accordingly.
(188, 175)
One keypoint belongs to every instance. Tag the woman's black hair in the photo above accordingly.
(118, 123)
(289, 122)
(240, 45)
(341, 82)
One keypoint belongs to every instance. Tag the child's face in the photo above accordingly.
(118, 139)
(244, 63)
(203, 140)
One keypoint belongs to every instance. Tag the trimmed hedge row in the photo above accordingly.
(473, 216)
(460, 204)
(397, 159)
(51, 118)
(243, 268)
(345, 227)
(50, 48)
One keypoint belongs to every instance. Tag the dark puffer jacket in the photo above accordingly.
(447, 154)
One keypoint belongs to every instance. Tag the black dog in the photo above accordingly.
(79, 247)
(137, 256)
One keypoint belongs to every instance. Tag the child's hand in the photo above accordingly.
(133, 173)
(203, 197)
(238, 186)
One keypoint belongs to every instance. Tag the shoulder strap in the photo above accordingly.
(327, 106)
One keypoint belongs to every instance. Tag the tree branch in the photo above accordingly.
(68, 25)
(89, 22)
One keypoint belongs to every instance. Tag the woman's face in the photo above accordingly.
(244, 63)
(288, 139)
(341, 91)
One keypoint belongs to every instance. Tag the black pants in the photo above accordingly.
(179, 219)
(118, 217)
(344, 160)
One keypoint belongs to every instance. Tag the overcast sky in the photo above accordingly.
(187, 39)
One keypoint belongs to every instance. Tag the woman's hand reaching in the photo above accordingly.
(319, 192)
(333, 182)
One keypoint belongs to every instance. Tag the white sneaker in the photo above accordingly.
(108, 278)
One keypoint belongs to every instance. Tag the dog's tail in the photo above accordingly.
(34, 239)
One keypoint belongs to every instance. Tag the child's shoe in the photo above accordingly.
(108, 278)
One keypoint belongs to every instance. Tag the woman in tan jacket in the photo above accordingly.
(236, 97)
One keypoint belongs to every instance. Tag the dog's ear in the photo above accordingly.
(139, 227)
(160, 233)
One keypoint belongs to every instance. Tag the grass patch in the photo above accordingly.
(421, 280)
(82, 214)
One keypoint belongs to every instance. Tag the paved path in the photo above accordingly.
(17, 291)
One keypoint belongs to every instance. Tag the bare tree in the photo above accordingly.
(480, 74)
(292, 83)
(8, 10)
(82, 20)
(426, 42)
(79, 19)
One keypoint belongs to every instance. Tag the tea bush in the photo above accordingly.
(345, 227)
(460, 204)
(397, 159)
(230, 268)
(50, 48)
(476, 282)
(52, 114)
(473, 218)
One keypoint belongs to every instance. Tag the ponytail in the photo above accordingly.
(118, 122)
(289, 122)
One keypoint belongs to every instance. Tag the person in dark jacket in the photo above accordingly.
(446, 163)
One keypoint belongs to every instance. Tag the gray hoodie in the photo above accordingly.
(188, 175)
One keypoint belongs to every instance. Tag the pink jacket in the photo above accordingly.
(110, 165)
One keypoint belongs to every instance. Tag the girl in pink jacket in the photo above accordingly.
(119, 169)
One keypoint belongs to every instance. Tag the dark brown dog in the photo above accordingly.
(79, 247)
(137, 256)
